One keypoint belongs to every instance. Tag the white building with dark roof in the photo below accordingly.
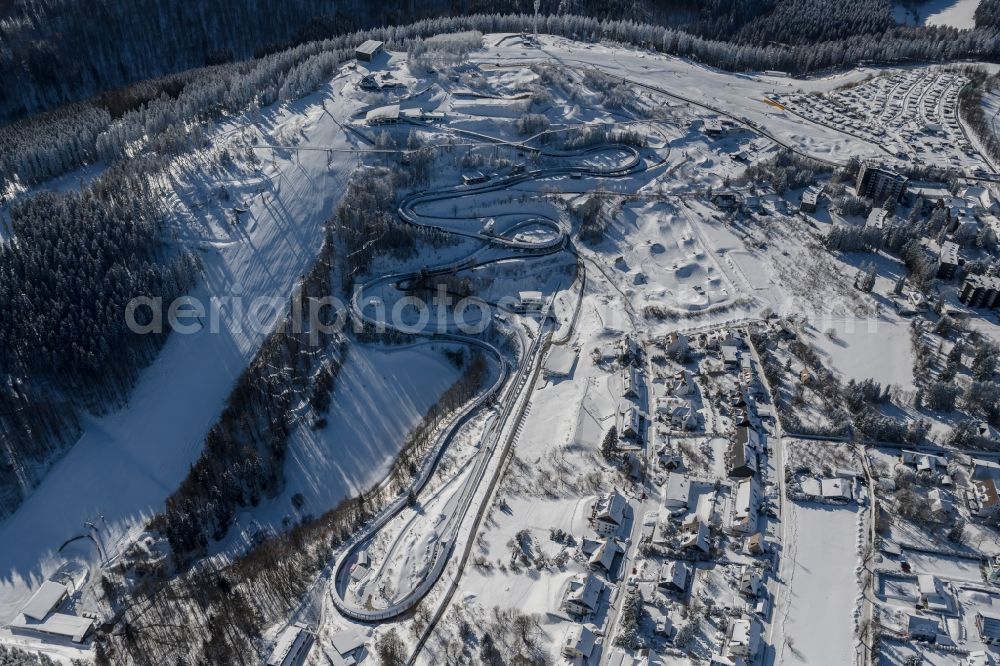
(741, 460)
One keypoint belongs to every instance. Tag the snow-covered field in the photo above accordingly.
(867, 348)
(817, 617)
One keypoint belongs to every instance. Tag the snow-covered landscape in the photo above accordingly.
(496, 346)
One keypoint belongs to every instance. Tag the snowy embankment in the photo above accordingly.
(817, 618)
(126, 463)
(380, 395)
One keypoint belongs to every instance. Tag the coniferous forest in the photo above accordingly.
(60, 51)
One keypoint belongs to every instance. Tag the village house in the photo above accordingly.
(747, 434)
(628, 349)
(631, 382)
(940, 501)
(743, 637)
(678, 412)
(749, 581)
(922, 462)
(741, 461)
(630, 422)
(755, 544)
(681, 384)
(677, 492)
(605, 556)
(609, 514)
(676, 344)
(746, 500)
(696, 537)
(673, 576)
(579, 642)
(664, 627)
(983, 497)
(837, 489)
(582, 595)
(932, 595)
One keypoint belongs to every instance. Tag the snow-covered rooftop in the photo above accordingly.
(44, 600)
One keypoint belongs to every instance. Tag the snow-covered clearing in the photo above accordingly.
(818, 616)
(866, 348)
(954, 13)
(953, 568)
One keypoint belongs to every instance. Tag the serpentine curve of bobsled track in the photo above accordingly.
(510, 380)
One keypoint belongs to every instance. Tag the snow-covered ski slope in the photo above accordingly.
(126, 463)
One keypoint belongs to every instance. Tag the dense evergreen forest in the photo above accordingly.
(988, 14)
(54, 52)
(78, 259)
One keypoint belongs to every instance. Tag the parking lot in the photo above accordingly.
(912, 116)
